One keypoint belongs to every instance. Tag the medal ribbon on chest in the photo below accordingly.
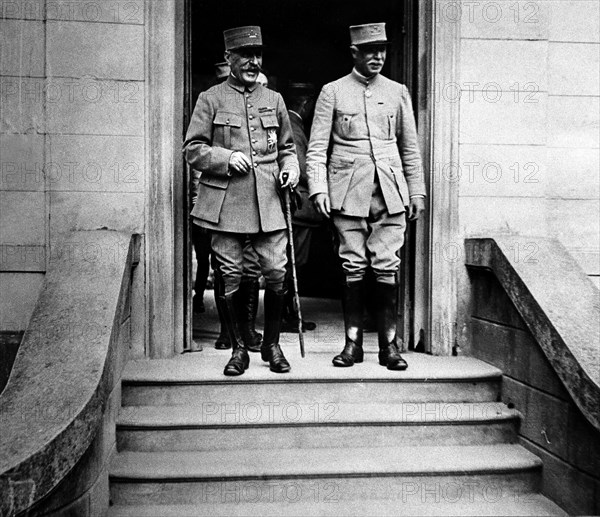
(271, 140)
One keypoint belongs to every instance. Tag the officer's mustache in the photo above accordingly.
(253, 68)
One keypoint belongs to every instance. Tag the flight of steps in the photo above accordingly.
(432, 440)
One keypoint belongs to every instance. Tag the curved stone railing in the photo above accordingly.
(557, 301)
(68, 364)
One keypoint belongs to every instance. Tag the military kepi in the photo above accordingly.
(241, 37)
(368, 34)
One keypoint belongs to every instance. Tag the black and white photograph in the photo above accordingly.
(299, 258)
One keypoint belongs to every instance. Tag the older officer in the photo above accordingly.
(241, 140)
(373, 175)
(249, 285)
(247, 296)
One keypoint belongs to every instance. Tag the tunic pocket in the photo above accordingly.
(391, 125)
(219, 182)
(340, 174)
(344, 122)
(398, 172)
(386, 123)
(270, 124)
(223, 123)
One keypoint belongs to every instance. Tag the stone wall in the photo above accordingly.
(528, 125)
(553, 427)
(56, 442)
(72, 135)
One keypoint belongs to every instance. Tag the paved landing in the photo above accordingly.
(208, 366)
(320, 345)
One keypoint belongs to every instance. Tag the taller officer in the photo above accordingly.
(373, 175)
(240, 138)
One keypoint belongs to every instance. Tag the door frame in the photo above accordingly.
(165, 214)
(168, 330)
(440, 255)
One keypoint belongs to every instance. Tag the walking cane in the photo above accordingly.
(288, 220)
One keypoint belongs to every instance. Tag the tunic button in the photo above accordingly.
(254, 153)
(250, 117)
(252, 128)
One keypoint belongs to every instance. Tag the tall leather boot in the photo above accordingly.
(240, 360)
(270, 350)
(353, 306)
(247, 309)
(222, 342)
(389, 355)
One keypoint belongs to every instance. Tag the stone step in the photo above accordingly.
(354, 474)
(412, 502)
(235, 427)
(197, 379)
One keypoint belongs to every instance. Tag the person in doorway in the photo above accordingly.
(300, 100)
(371, 180)
(241, 139)
(201, 242)
(263, 79)
(247, 298)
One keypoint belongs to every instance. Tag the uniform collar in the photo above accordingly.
(236, 84)
(362, 79)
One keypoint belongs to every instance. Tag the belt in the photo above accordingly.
(375, 155)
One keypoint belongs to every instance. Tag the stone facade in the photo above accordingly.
(72, 133)
(529, 123)
(76, 135)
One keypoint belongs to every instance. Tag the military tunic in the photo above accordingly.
(364, 154)
(371, 126)
(232, 117)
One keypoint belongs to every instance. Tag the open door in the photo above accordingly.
(307, 41)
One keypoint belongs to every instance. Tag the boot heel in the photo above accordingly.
(238, 363)
(391, 359)
(350, 355)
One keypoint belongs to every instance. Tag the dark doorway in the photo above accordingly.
(308, 41)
